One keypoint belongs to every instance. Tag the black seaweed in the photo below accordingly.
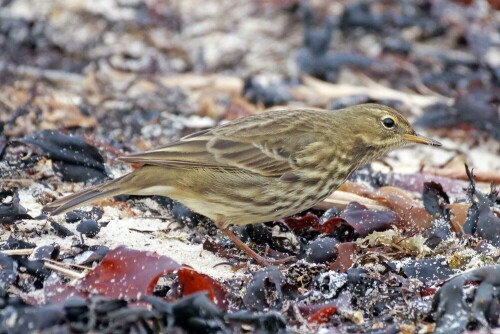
(71, 156)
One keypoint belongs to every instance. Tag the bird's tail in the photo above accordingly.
(112, 188)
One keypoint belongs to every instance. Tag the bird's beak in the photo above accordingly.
(416, 138)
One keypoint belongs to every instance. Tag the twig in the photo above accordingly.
(141, 231)
(224, 263)
(26, 251)
(7, 103)
(212, 82)
(373, 90)
(51, 75)
(341, 199)
(66, 272)
(304, 322)
(312, 89)
(23, 181)
(156, 217)
(480, 176)
(68, 264)
(417, 79)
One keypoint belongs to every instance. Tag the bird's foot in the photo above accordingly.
(263, 261)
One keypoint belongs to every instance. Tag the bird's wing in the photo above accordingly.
(259, 144)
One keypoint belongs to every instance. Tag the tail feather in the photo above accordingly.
(147, 180)
(87, 196)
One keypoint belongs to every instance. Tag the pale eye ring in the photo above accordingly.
(388, 122)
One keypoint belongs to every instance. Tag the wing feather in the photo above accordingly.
(259, 144)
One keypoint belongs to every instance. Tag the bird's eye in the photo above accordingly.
(388, 122)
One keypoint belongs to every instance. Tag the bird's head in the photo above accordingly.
(382, 128)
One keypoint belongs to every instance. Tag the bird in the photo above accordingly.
(259, 168)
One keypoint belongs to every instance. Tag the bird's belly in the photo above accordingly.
(291, 201)
(211, 209)
(242, 202)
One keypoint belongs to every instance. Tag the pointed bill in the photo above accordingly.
(416, 138)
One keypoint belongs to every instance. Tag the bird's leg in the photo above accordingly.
(241, 245)
(244, 247)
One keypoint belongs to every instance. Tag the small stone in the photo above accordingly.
(88, 228)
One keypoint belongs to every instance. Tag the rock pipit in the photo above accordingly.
(262, 167)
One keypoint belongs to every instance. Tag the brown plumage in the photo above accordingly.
(260, 168)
